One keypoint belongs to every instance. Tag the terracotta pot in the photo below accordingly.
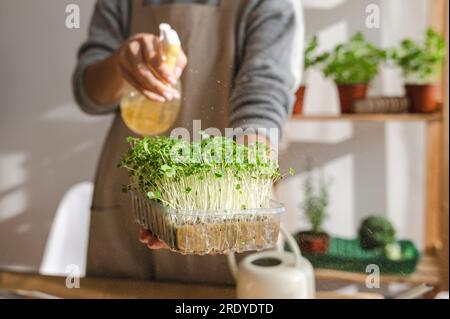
(423, 97)
(300, 95)
(313, 243)
(349, 94)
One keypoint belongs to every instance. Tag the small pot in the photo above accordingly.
(313, 242)
(423, 97)
(349, 94)
(300, 96)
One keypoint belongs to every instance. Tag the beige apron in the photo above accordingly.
(208, 35)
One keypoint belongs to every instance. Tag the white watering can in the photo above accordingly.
(274, 274)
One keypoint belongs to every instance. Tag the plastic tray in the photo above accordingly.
(347, 255)
(206, 232)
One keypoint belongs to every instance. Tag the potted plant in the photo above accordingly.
(315, 240)
(352, 66)
(376, 232)
(420, 64)
(189, 193)
(311, 58)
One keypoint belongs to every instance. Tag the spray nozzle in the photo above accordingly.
(171, 44)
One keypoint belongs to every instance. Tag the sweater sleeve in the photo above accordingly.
(270, 64)
(109, 28)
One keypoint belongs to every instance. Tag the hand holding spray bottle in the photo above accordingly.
(146, 117)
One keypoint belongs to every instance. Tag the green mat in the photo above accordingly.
(347, 255)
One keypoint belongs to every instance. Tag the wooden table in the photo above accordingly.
(122, 288)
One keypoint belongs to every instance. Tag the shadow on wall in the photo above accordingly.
(358, 154)
(322, 15)
(362, 165)
(47, 144)
(62, 152)
(376, 167)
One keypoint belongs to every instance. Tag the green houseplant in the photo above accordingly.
(376, 232)
(311, 58)
(315, 240)
(420, 64)
(352, 65)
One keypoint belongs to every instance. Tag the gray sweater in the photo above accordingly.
(271, 57)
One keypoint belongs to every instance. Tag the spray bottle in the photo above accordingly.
(146, 117)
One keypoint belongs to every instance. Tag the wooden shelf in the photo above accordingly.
(401, 117)
(427, 272)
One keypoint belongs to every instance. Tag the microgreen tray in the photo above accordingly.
(347, 255)
(206, 232)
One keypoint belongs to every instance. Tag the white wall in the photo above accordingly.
(46, 144)
(374, 167)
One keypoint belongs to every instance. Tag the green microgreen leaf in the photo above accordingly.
(212, 171)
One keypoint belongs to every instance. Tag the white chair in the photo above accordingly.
(66, 248)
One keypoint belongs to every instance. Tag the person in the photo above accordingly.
(240, 68)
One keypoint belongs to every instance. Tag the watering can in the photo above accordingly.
(274, 274)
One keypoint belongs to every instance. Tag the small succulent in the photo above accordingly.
(376, 232)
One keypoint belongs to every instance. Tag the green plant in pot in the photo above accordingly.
(421, 66)
(311, 59)
(352, 65)
(377, 232)
(315, 203)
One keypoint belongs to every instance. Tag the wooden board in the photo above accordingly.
(438, 19)
(96, 288)
(444, 253)
(433, 186)
(404, 117)
(99, 288)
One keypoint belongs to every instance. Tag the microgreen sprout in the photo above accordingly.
(211, 174)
